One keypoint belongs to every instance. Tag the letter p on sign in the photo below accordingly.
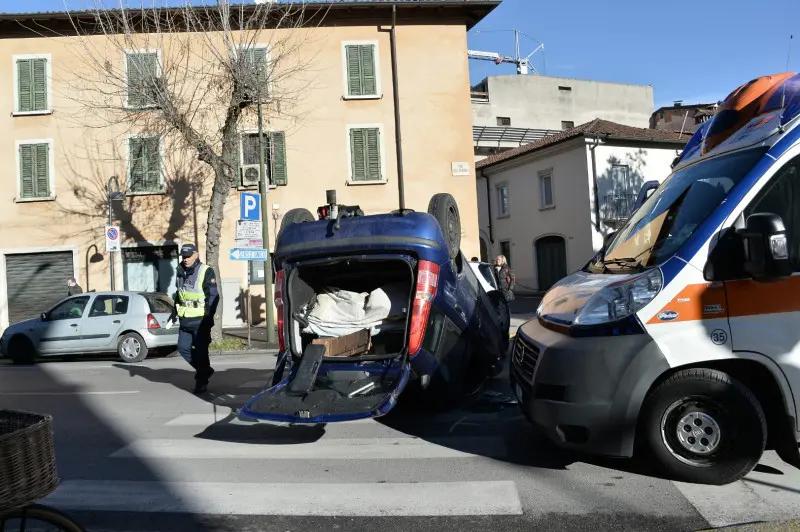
(250, 206)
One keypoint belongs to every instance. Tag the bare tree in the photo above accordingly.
(190, 75)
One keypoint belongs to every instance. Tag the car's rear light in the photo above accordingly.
(152, 322)
(427, 281)
(279, 309)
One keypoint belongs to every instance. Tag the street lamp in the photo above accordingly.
(113, 194)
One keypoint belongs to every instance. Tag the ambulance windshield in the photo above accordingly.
(674, 212)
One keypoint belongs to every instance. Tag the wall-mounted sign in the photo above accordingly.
(459, 168)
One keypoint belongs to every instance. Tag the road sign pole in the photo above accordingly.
(262, 183)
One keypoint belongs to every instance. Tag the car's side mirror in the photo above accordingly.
(766, 247)
(608, 238)
(44, 316)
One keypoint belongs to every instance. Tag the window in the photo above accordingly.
(70, 309)
(503, 201)
(546, 190)
(144, 163)
(109, 306)
(362, 76)
(32, 75)
(781, 196)
(142, 70)
(366, 157)
(567, 124)
(274, 155)
(256, 59)
(503, 121)
(505, 250)
(35, 169)
(159, 304)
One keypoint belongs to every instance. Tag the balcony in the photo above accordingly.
(617, 208)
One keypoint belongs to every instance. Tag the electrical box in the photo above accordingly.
(256, 272)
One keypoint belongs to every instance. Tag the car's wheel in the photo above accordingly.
(444, 208)
(705, 427)
(131, 348)
(296, 216)
(21, 351)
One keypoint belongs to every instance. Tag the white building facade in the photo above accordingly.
(548, 205)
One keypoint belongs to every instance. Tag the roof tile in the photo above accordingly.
(595, 127)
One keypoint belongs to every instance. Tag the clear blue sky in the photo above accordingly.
(695, 51)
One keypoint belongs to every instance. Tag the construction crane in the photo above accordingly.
(524, 64)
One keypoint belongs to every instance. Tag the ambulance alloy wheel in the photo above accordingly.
(703, 426)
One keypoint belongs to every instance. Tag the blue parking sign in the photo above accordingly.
(250, 206)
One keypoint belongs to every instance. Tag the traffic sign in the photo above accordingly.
(250, 206)
(112, 238)
(248, 243)
(248, 230)
(249, 254)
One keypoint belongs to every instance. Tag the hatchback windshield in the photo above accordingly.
(674, 212)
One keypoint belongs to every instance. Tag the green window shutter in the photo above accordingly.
(137, 164)
(34, 170)
(277, 143)
(361, 77)
(39, 84)
(42, 170)
(25, 85)
(368, 84)
(373, 151)
(354, 87)
(26, 162)
(153, 180)
(142, 71)
(358, 154)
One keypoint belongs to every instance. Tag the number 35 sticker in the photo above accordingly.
(719, 337)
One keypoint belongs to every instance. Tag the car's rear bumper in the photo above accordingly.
(163, 338)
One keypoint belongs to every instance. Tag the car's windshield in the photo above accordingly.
(674, 212)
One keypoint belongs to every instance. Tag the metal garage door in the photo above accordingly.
(36, 282)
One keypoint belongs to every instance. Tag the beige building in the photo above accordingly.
(569, 191)
(57, 161)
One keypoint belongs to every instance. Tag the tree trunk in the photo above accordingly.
(219, 196)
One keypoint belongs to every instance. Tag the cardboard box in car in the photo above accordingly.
(347, 345)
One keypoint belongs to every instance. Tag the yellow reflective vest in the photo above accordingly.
(191, 298)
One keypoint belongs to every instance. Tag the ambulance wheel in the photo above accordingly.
(704, 427)
(296, 216)
(131, 348)
(444, 208)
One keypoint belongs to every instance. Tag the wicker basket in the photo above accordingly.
(27, 458)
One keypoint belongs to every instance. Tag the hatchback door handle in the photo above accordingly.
(73, 324)
(117, 321)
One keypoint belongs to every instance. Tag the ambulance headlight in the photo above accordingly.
(620, 300)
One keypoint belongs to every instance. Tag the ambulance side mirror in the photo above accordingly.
(766, 247)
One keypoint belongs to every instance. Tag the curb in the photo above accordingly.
(759, 526)
(244, 352)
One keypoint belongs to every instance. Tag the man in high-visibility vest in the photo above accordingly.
(195, 304)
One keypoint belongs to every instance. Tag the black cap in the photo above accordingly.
(187, 250)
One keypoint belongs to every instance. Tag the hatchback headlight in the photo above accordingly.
(620, 300)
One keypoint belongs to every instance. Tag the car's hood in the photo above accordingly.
(563, 302)
(21, 326)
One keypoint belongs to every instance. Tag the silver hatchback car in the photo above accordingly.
(127, 323)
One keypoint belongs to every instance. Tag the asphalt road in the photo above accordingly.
(138, 452)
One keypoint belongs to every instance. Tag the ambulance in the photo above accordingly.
(681, 339)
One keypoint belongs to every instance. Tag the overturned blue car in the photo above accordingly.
(369, 307)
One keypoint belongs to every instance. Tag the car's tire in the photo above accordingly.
(21, 351)
(296, 216)
(727, 430)
(444, 208)
(131, 348)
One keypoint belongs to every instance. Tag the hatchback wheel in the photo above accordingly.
(21, 351)
(131, 348)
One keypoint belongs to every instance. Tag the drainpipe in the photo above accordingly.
(594, 184)
(397, 134)
(489, 207)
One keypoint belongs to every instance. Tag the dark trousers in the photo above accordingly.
(193, 347)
